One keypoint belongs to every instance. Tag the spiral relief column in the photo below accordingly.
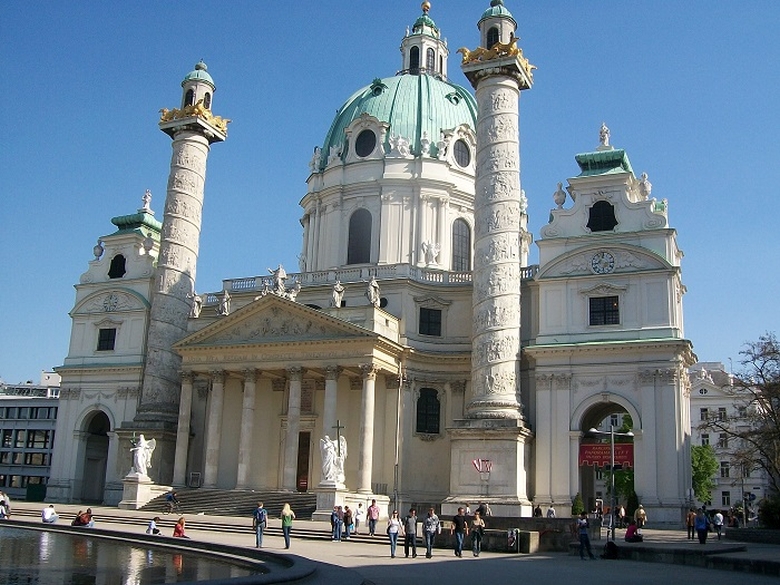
(494, 427)
(193, 128)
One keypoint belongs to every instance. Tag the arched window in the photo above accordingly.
(189, 98)
(602, 217)
(492, 37)
(359, 245)
(462, 153)
(414, 60)
(117, 268)
(461, 246)
(430, 61)
(428, 411)
(207, 101)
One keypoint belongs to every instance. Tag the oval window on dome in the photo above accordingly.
(365, 143)
(462, 153)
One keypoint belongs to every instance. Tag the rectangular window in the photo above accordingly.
(723, 441)
(8, 438)
(725, 469)
(15, 481)
(18, 458)
(106, 339)
(704, 414)
(5, 457)
(24, 412)
(12, 412)
(604, 311)
(430, 322)
(613, 420)
(725, 499)
(19, 442)
(37, 439)
(722, 413)
(428, 411)
(705, 439)
(599, 474)
(36, 459)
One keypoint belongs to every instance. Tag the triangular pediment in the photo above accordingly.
(273, 320)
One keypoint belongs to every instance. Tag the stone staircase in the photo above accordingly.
(215, 502)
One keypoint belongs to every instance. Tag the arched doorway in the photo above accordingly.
(596, 453)
(95, 457)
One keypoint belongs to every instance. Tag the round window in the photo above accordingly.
(462, 154)
(365, 143)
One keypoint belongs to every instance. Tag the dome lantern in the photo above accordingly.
(423, 51)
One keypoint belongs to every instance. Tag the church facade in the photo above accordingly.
(415, 340)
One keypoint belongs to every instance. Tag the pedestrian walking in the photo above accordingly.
(717, 521)
(702, 525)
(640, 516)
(431, 527)
(360, 517)
(337, 522)
(259, 523)
(690, 522)
(373, 517)
(410, 534)
(582, 531)
(287, 519)
(460, 529)
(348, 520)
(551, 512)
(477, 532)
(394, 528)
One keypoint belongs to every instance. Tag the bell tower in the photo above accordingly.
(423, 50)
(193, 128)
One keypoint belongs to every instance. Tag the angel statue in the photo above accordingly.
(142, 454)
(334, 453)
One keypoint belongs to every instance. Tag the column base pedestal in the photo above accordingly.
(138, 490)
(327, 498)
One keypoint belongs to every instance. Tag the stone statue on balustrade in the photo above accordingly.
(372, 292)
(224, 304)
(279, 277)
(196, 304)
(337, 295)
(142, 454)
(334, 453)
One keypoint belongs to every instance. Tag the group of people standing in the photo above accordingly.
(701, 523)
(260, 523)
(431, 526)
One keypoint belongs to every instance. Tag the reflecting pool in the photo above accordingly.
(40, 557)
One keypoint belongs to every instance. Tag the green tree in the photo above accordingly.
(577, 506)
(704, 465)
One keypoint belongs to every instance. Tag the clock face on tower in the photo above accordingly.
(602, 262)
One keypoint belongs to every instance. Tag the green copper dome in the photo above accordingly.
(200, 73)
(497, 9)
(411, 105)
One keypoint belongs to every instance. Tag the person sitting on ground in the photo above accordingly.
(178, 530)
(3, 510)
(84, 519)
(632, 532)
(152, 528)
(48, 515)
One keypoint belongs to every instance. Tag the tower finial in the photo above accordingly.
(426, 7)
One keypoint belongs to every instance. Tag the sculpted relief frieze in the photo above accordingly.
(273, 325)
(496, 348)
(499, 187)
(114, 301)
(495, 381)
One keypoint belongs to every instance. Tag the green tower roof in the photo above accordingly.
(200, 73)
(603, 162)
(496, 9)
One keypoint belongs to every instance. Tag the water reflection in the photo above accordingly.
(51, 558)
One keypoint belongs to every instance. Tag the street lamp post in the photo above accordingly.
(612, 434)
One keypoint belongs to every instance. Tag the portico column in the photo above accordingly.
(183, 430)
(365, 457)
(111, 459)
(214, 428)
(247, 418)
(331, 400)
(295, 376)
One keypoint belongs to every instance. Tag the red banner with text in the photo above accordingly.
(599, 454)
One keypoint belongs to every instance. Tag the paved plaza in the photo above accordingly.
(368, 561)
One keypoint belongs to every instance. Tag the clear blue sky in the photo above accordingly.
(689, 89)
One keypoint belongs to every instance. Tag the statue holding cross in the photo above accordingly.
(334, 453)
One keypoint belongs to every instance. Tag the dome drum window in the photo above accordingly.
(462, 153)
(365, 143)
